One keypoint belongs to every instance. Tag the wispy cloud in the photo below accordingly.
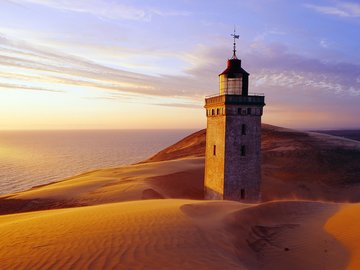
(340, 8)
(27, 66)
(23, 63)
(265, 34)
(270, 65)
(105, 9)
(324, 43)
(292, 80)
(273, 66)
(10, 86)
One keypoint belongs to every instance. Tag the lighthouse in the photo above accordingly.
(233, 137)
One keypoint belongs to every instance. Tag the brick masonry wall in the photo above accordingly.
(239, 172)
(242, 172)
(214, 164)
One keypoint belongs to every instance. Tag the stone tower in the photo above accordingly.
(233, 137)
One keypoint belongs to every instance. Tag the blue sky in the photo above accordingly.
(149, 64)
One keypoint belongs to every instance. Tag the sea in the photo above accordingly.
(32, 158)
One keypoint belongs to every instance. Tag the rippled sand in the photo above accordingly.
(151, 216)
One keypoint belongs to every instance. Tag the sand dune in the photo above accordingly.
(169, 179)
(129, 235)
(307, 165)
(287, 235)
(296, 165)
(345, 227)
(120, 225)
(173, 234)
(191, 146)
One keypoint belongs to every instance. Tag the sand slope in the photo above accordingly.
(169, 179)
(172, 234)
(191, 146)
(120, 226)
(133, 235)
(296, 164)
(345, 227)
(306, 165)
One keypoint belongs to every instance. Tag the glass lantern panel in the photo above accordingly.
(234, 86)
(230, 86)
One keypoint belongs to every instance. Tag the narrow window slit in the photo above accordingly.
(242, 194)
(243, 129)
(243, 152)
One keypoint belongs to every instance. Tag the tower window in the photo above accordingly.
(243, 150)
(214, 150)
(212, 112)
(242, 193)
(217, 111)
(243, 129)
(239, 110)
(248, 110)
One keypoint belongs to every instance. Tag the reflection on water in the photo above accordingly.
(30, 158)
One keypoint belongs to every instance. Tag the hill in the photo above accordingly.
(183, 234)
(296, 164)
(151, 215)
(353, 134)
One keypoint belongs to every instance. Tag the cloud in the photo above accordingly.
(180, 105)
(324, 43)
(104, 9)
(173, 101)
(342, 9)
(268, 33)
(274, 71)
(56, 67)
(272, 66)
(31, 64)
(10, 86)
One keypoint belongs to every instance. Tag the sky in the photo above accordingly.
(111, 64)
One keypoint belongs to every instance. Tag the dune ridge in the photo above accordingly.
(151, 215)
(344, 226)
(134, 182)
(296, 165)
(176, 234)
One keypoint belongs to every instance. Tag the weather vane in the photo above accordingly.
(235, 36)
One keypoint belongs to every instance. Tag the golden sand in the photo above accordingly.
(345, 227)
(130, 218)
